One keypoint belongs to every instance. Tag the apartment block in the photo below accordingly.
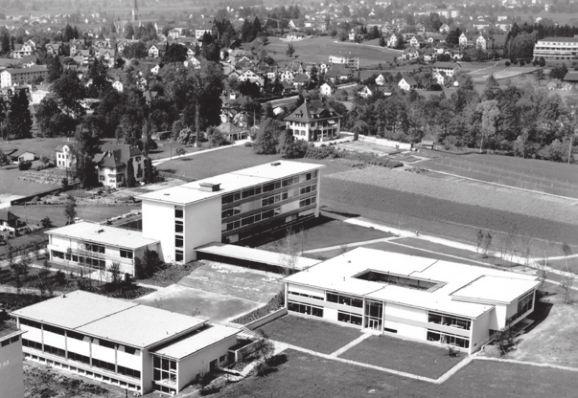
(11, 377)
(230, 207)
(137, 347)
(423, 299)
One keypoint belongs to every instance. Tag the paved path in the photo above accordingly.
(157, 162)
(529, 363)
(350, 345)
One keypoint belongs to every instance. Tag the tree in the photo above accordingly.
(19, 118)
(47, 109)
(215, 137)
(453, 37)
(290, 50)
(87, 146)
(149, 171)
(115, 273)
(69, 92)
(175, 53)
(130, 180)
(266, 140)
(54, 68)
(46, 222)
(559, 72)
(70, 209)
(149, 263)
(490, 113)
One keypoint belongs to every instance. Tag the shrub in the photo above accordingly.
(24, 165)
(322, 152)
(180, 151)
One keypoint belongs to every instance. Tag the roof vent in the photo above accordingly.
(100, 231)
(276, 164)
(209, 186)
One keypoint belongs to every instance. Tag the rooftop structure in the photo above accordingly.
(411, 292)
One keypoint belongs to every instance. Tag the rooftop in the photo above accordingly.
(229, 182)
(560, 39)
(103, 234)
(113, 319)
(7, 330)
(453, 288)
(197, 342)
(310, 111)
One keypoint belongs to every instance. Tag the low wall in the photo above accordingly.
(266, 319)
(385, 142)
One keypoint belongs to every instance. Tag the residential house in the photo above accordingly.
(444, 29)
(414, 42)
(65, 158)
(153, 51)
(112, 164)
(286, 76)
(365, 92)
(11, 225)
(338, 74)
(22, 76)
(572, 78)
(392, 41)
(314, 121)
(380, 80)
(443, 70)
(481, 43)
(325, 90)
(252, 77)
(199, 33)
(463, 40)
(407, 83)
(300, 81)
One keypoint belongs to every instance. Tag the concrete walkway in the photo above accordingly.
(528, 363)
(157, 162)
(350, 345)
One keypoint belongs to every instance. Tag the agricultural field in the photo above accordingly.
(93, 212)
(541, 175)
(12, 184)
(318, 49)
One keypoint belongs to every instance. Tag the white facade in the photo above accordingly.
(11, 376)
(229, 207)
(97, 247)
(557, 48)
(416, 298)
(65, 158)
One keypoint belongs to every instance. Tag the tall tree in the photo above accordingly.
(54, 68)
(87, 146)
(19, 120)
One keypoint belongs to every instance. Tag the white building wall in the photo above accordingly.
(53, 339)
(103, 353)
(31, 333)
(330, 314)
(81, 347)
(132, 361)
(158, 222)
(202, 225)
(11, 376)
(480, 332)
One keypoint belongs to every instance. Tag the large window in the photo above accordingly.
(93, 247)
(305, 309)
(178, 241)
(344, 300)
(178, 255)
(445, 338)
(178, 212)
(349, 318)
(306, 295)
(449, 320)
(128, 372)
(125, 253)
(103, 364)
(164, 370)
(178, 225)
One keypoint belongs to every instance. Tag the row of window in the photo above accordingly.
(524, 305)
(450, 339)
(307, 202)
(98, 376)
(305, 295)
(307, 189)
(253, 219)
(349, 318)
(449, 320)
(344, 300)
(93, 247)
(96, 263)
(10, 341)
(305, 309)
(126, 253)
(271, 200)
(230, 212)
(79, 336)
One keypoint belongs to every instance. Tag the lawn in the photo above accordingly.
(216, 162)
(445, 218)
(305, 375)
(547, 176)
(11, 184)
(28, 240)
(318, 49)
(326, 233)
(403, 355)
(308, 333)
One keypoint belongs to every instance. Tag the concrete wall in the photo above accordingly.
(480, 332)
(199, 363)
(202, 225)
(11, 384)
(409, 322)
(158, 222)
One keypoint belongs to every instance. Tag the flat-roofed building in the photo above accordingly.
(413, 297)
(98, 246)
(557, 48)
(11, 377)
(134, 346)
(230, 207)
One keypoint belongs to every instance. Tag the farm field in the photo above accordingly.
(216, 162)
(315, 335)
(318, 49)
(305, 375)
(466, 192)
(542, 175)
(11, 184)
(403, 355)
(445, 218)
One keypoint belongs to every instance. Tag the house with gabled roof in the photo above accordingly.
(314, 121)
(112, 164)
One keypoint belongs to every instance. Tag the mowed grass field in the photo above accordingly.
(216, 162)
(97, 213)
(318, 49)
(552, 177)
(305, 375)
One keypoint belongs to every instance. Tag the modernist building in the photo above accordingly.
(11, 384)
(413, 297)
(230, 207)
(557, 48)
(314, 121)
(97, 246)
(134, 346)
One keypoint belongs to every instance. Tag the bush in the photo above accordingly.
(180, 151)
(322, 152)
(24, 165)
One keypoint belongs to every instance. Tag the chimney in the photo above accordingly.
(209, 186)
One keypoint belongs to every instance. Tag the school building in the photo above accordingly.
(413, 297)
(134, 346)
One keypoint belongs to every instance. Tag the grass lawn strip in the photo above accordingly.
(403, 355)
(311, 334)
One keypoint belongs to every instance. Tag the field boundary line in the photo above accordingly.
(528, 363)
(355, 363)
(569, 198)
(350, 345)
